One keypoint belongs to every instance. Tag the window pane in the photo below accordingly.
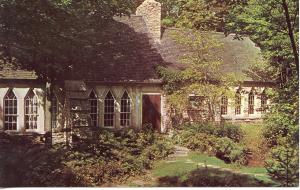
(10, 111)
(125, 110)
(31, 110)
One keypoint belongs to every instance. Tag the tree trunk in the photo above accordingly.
(291, 34)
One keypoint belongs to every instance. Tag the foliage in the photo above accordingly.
(274, 26)
(266, 24)
(50, 37)
(230, 151)
(204, 15)
(108, 157)
(201, 75)
(200, 142)
(282, 120)
(231, 131)
(283, 165)
(222, 141)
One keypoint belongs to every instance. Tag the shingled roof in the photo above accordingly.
(126, 53)
(236, 55)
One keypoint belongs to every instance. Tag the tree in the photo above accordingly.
(273, 26)
(50, 36)
(201, 75)
(198, 14)
(284, 165)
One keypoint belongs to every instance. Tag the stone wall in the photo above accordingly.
(151, 12)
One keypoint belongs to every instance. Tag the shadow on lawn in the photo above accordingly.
(212, 177)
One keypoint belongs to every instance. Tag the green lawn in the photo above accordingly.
(202, 170)
(182, 171)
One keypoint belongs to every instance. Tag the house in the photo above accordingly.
(121, 88)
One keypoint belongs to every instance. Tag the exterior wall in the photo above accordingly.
(245, 90)
(201, 113)
(20, 92)
(135, 91)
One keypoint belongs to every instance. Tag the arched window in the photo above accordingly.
(109, 110)
(31, 110)
(224, 105)
(251, 103)
(125, 110)
(93, 108)
(54, 110)
(264, 100)
(238, 103)
(10, 111)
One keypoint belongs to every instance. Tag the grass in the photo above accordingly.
(182, 167)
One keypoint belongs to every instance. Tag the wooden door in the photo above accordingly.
(152, 110)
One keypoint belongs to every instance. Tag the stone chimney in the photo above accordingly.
(151, 12)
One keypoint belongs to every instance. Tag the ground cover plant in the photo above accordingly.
(222, 141)
(108, 157)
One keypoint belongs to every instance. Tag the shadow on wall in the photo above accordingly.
(212, 177)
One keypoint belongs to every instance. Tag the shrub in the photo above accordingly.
(108, 156)
(229, 151)
(234, 132)
(199, 142)
(272, 133)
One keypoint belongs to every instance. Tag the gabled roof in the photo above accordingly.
(126, 53)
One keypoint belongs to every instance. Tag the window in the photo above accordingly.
(54, 110)
(93, 109)
(224, 105)
(263, 102)
(251, 103)
(125, 110)
(10, 111)
(31, 110)
(238, 103)
(109, 110)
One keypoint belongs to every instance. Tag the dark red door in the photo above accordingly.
(152, 110)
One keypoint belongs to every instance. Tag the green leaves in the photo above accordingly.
(265, 23)
(284, 163)
(50, 37)
(201, 74)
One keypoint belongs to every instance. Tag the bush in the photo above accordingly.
(272, 133)
(234, 132)
(106, 157)
(221, 141)
(229, 151)
(207, 128)
(199, 142)
(229, 130)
